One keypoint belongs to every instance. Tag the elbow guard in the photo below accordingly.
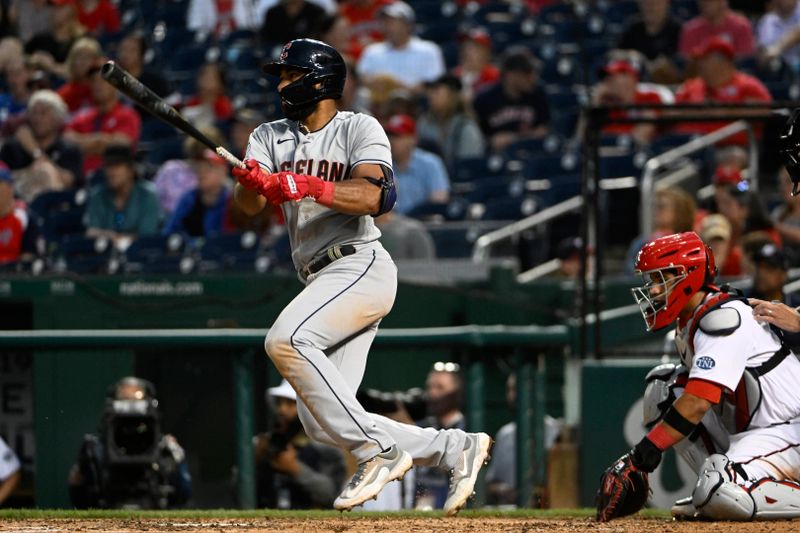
(388, 191)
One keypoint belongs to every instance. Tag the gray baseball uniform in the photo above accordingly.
(321, 340)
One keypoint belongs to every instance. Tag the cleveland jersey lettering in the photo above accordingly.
(331, 153)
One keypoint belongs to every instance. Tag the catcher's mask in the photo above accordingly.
(674, 268)
(325, 74)
(789, 149)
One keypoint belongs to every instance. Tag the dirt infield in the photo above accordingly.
(367, 524)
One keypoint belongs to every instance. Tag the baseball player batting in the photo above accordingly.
(731, 409)
(331, 172)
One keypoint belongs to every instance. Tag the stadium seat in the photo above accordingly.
(59, 224)
(562, 71)
(525, 148)
(556, 12)
(562, 187)
(469, 169)
(565, 123)
(151, 248)
(48, 202)
(453, 242)
(514, 208)
(229, 252)
(546, 166)
(453, 210)
(85, 255)
(440, 31)
(620, 166)
(164, 150)
(620, 11)
(496, 187)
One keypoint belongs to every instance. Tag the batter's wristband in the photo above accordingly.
(662, 438)
(326, 196)
(679, 422)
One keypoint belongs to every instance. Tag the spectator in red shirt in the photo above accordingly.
(365, 27)
(620, 86)
(719, 82)
(210, 104)
(99, 17)
(77, 92)
(475, 66)
(17, 230)
(717, 20)
(107, 122)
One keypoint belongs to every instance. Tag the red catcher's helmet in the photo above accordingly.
(674, 268)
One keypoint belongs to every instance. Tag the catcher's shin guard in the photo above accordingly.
(717, 496)
(776, 499)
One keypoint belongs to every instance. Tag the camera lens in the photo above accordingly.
(133, 435)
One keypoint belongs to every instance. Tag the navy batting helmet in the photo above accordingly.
(324, 67)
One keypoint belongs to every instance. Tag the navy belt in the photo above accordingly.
(332, 254)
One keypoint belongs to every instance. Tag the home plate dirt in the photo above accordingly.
(367, 524)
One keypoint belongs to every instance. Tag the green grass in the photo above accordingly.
(44, 514)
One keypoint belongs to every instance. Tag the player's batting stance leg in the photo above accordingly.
(330, 172)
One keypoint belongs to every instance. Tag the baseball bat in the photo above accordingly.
(128, 85)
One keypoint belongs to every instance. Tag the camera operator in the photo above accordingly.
(130, 463)
(444, 389)
(292, 471)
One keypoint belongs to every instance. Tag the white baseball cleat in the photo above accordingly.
(463, 476)
(371, 476)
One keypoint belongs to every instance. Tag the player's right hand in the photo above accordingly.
(253, 177)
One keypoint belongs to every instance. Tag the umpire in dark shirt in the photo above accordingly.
(516, 106)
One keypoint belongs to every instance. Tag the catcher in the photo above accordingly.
(731, 409)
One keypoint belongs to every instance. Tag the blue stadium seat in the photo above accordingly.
(514, 208)
(620, 11)
(59, 224)
(563, 70)
(454, 210)
(164, 150)
(546, 166)
(562, 187)
(565, 123)
(684, 9)
(469, 169)
(48, 202)
(497, 187)
(452, 242)
(149, 249)
(525, 148)
(556, 12)
(668, 141)
(185, 60)
(85, 255)
(619, 166)
(440, 31)
(229, 252)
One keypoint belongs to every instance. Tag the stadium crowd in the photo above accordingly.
(481, 100)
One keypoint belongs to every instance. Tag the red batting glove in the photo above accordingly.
(297, 186)
(254, 178)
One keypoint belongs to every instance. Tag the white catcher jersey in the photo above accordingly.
(722, 359)
(331, 153)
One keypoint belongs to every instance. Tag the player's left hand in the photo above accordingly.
(298, 186)
(624, 489)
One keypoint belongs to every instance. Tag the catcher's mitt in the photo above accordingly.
(623, 490)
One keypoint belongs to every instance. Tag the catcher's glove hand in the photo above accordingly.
(623, 490)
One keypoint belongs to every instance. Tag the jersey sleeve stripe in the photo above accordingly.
(707, 390)
(377, 161)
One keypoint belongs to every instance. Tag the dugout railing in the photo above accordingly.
(529, 344)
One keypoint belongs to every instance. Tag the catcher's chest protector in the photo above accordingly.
(737, 407)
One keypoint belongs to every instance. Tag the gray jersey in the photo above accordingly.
(331, 153)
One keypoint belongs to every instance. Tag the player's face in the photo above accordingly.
(289, 76)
